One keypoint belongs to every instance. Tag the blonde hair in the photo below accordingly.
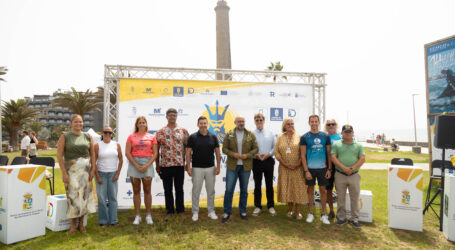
(283, 125)
(259, 115)
(74, 117)
(325, 125)
(136, 129)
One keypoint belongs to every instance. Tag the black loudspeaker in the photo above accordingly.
(444, 133)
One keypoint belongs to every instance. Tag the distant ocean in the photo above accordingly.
(397, 134)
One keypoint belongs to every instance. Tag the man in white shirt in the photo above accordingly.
(25, 144)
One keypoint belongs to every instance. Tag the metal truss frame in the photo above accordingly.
(113, 73)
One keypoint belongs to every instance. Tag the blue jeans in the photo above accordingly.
(107, 214)
(231, 181)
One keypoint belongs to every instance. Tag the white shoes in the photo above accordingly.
(195, 217)
(309, 218)
(272, 211)
(325, 219)
(213, 216)
(256, 211)
(137, 220)
(149, 220)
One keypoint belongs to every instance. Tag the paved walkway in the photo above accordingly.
(402, 148)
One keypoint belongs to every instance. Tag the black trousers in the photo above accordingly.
(173, 176)
(263, 168)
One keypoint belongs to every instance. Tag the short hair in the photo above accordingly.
(311, 116)
(136, 129)
(201, 118)
(285, 121)
(259, 115)
(75, 116)
(25, 132)
(171, 110)
(325, 124)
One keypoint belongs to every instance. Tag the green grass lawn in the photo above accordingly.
(258, 232)
(373, 155)
(41, 153)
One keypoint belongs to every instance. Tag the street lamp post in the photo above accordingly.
(416, 148)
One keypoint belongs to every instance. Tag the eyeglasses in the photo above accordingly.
(259, 120)
(331, 124)
(107, 132)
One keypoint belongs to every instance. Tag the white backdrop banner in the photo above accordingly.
(220, 102)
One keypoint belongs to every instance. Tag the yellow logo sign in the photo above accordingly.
(405, 197)
(28, 201)
(221, 120)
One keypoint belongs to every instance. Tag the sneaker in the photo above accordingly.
(299, 216)
(272, 211)
(137, 220)
(309, 218)
(331, 215)
(225, 218)
(325, 219)
(213, 216)
(195, 217)
(290, 214)
(341, 222)
(356, 224)
(244, 216)
(149, 220)
(256, 211)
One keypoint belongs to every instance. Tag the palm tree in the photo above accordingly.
(16, 114)
(275, 67)
(3, 71)
(79, 102)
(36, 126)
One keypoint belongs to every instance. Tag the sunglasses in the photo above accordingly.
(331, 124)
(107, 132)
(258, 120)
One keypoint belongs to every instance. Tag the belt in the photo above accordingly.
(346, 174)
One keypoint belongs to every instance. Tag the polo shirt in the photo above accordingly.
(348, 155)
(203, 147)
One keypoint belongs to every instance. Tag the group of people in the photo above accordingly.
(328, 159)
(380, 139)
(29, 144)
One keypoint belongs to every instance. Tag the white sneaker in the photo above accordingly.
(256, 211)
(213, 216)
(272, 211)
(309, 218)
(137, 220)
(195, 217)
(325, 219)
(149, 220)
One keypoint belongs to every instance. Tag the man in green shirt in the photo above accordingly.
(348, 156)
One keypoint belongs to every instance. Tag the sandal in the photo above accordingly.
(82, 229)
(72, 230)
(290, 214)
(299, 216)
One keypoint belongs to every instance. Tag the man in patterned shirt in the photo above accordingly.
(171, 161)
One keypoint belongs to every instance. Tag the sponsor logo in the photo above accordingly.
(297, 95)
(317, 141)
(134, 110)
(190, 91)
(159, 194)
(132, 89)
(50, 209)
(129, 193)
(207, 92)
(28, 201)
(291, 113)
(164, 91)
(276, 114)
(148, 91)
(405, 197)
(272, 94)
(220, 120)
(157, 112)
(178, 91)
(223, 92)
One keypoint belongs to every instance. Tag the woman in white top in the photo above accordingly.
(109, 160)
